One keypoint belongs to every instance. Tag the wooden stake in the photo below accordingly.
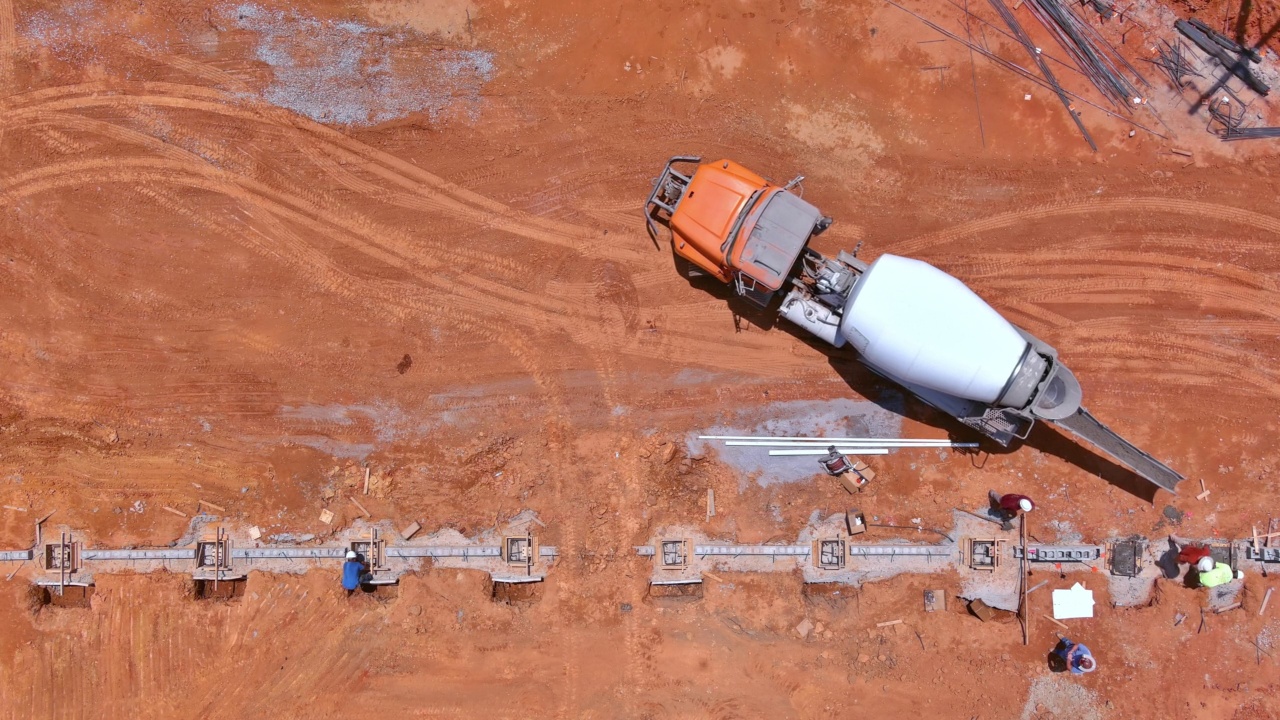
(366, 482)
(179, 513)
(357, 504)
(1265, 599)
(1051, 619)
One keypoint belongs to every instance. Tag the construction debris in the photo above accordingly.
(179, 513)
(15, 509)
(711, 503)
(935, 600)
(206, 503)
(1232, 606)
(326, 516)
(887, 623)
(1265, 599)
(255, 533)
(804, 628)
(410, 531)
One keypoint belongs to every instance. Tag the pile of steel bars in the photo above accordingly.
(1097, 59)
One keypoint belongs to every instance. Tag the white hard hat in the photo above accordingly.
(351, 554)
(1239, 574)
(1205, 565)
(1025, 504)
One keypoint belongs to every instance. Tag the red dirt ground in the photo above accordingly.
(205, 295)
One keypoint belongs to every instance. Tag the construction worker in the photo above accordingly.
(1213, 574)
(1077, 657)
(352, 572)
(1008, 506)
(1192, 553)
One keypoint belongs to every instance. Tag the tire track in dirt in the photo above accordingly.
(452, 298)
(380, 242)
(391, 294)
(442, 194)
(1221, 213)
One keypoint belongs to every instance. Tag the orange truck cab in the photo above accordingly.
(733, 224)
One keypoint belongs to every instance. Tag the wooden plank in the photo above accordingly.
(713, 576)
(887, 623)
(1037, 586)
(179, 513)
(326, 516)
(1203, 495)
(206, 503)
(356, 502)
(1265, 599)
(1051, 619)
(410, 531)
(1255, 537)
(15, 508)
(1180, 151)
(366, 482)
(1221, 610)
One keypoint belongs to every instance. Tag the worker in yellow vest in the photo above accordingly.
(1213, 574)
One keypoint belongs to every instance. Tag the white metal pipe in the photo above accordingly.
(823, 451)
(824, 442)
(819, 439)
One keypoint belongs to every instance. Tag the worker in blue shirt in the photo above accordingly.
(352, 572)
(1076, 656)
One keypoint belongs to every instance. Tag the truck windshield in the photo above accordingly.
(737, 224)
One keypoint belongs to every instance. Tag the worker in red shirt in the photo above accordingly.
(1192, 553)
(1008, 506)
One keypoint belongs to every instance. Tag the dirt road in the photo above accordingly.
(247, 249)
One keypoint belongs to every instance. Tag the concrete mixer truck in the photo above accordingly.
(908, 321)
